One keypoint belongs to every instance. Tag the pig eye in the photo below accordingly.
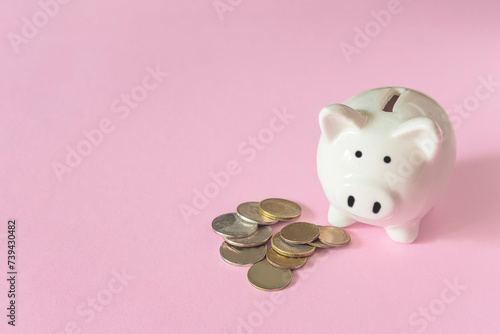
(358, 154)
(387, 159)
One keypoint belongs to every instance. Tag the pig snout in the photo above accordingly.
(365, 201)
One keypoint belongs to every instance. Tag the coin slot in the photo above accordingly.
(390, 104)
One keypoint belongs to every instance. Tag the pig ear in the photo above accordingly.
(424, 131)
(336, 118)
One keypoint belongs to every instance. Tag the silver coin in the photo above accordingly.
(258, 238)
(231, 225)
(242, 256)
(249, 211)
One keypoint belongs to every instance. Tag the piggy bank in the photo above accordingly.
(384, 157)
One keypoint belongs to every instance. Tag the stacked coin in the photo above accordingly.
(291, 247)
(244, 241)
(247, 231)
(279, 209)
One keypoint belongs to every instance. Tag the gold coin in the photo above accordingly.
(284, 262)
(299, 233)
(258, 238)
(242, 256)
(280, 209)
(249, 211)
(318, 244)
(286, 249)
(266, 277)
(333, 236)
(266, 215)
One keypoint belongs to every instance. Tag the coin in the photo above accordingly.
(318, 244)
(258, 238)
(284, 262)
(230, 225)
(333, 236)
(299, 233)
(286, 249)
(249, 211)
(242, 256)
(280, 209)
(264, 276)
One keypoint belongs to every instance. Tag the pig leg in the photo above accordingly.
(406, 233)
(338, 219)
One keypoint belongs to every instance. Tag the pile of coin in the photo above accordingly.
(247, 231)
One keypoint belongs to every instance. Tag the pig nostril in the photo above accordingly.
(350, 201)
(376, 207)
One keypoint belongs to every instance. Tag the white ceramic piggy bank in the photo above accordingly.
(384, 157)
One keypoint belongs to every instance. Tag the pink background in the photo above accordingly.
(119, 208)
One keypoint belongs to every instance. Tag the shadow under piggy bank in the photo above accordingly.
(470, 207)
